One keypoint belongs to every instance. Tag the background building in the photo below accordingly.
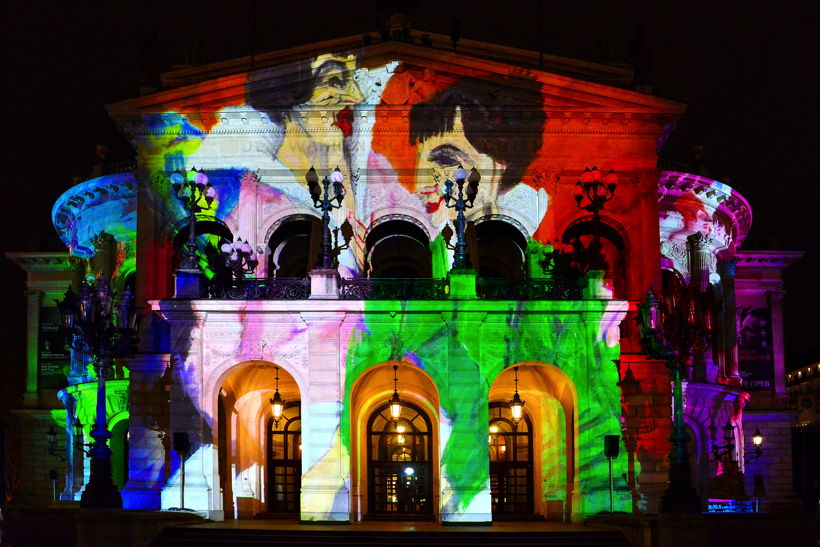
(397, 118)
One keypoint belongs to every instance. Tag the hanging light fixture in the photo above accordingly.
(516, 405)
(277, 404)
(395, 401)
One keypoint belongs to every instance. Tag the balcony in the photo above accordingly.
(396, 289)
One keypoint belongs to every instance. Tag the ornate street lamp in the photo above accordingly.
(395, 401)
(191, 188)
(240, 258)
(591, 193)
(516, 404)
(460, 202)
(670, 328)
(757, 440)
(323, 200)
(106, 331)
(277, 404)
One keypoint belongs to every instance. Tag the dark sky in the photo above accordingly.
(747, 70)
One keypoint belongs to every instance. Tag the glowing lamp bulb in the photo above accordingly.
(177, 178)
(460, 173)
(336, 176)
(757, 438)
(517, 411)
(276, 405)
(401, 429)
(517, 408)
(395, 410)
(191, 176)
(596, 175)
(493, 429)
(201, 179)
(246, 248)
(226, 247)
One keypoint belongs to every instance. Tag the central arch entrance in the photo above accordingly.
(400, 460)
(285, 461)
(511, 466)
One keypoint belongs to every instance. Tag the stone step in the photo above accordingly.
(200, 535)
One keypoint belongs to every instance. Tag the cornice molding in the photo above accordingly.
(767, 259)
(45, 262)
(723, 199)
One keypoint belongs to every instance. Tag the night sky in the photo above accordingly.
(748, 72)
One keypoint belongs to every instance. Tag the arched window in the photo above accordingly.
(400, 455)
(398, 249)
(295, 246)
(210, 235)
(511, 470)
(500, 248)
(581, 235)
(285, 460)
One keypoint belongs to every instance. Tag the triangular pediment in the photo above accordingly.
(393, 74)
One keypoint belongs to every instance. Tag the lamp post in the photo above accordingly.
(464, 199)
(106, 331)
(191, 188)
(594, 192)
(240, 258)
(670, 327)
(322, 199)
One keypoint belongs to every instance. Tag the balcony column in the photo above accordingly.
(704, 368)
(728, 322)
(33, 300)
(775, 302)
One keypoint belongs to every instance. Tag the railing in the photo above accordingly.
(528, 289)
(392, 289)
(261, 289)
(396, 289)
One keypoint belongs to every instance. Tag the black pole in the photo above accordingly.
(101, 492)
(327, 205)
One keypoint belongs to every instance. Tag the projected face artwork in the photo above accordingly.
(396, 131)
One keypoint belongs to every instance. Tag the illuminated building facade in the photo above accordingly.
(391, 315)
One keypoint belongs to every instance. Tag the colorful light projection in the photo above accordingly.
(337, 113)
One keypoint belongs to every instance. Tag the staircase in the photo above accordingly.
(206, 535)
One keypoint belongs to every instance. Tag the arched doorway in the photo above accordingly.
(511, 463)
(500, 250)
(400, 457)
(285, 460)
(246, 444)
(210, 236)
(295, 246)
(613, 248)
(398, 249)
(544, 458)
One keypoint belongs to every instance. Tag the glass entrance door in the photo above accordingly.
(399, 463)
(510, 463)
(285, 461)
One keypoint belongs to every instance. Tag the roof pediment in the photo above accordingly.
(392, 74)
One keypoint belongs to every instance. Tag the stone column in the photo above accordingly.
(148, 429)
(105, 255)
(33, 300)
(704, 368)
(325, 493)
(775, 302)
(729, 321)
